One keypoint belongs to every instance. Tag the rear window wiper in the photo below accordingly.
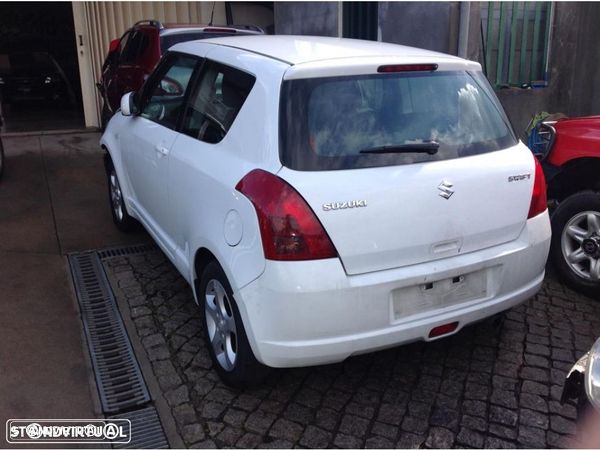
(429, 147)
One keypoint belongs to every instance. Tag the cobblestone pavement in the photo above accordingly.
(484, 387)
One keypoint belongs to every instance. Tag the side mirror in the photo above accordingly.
(114, 46)
(128, 105)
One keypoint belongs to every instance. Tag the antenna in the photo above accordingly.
(212, 14)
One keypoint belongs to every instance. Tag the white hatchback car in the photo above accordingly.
(328, 197)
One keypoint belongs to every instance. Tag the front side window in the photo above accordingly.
(164, 96)
(361, 121)
(216, 101)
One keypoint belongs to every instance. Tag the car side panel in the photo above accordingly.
(203, 176)
(575, 138)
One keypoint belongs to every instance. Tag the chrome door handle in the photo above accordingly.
(164, 151)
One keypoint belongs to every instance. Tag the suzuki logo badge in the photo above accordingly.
(446, 190)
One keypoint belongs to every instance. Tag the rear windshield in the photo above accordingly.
(325, 123)
(170, 40)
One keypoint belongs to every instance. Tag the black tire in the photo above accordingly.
(121, 217)
(104, 116)
(245, 370)
(567, 210)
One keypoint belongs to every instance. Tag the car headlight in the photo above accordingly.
(592, 375)
(1, 81)
(48, 80)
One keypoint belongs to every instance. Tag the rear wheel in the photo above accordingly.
(575, 249)
(224, 331)
(122, 219)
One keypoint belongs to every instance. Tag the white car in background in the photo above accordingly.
(328, 197)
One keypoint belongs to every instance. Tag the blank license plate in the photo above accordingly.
(439, 294)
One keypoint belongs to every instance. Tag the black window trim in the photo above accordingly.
(158, 73)
(196, 78)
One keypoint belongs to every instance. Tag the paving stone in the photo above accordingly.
(259, 421)
(354, 425)
(531, 437)
(439, 438)
(410, 440)
(561, 425)
(534, 402)
(502, 431)
(503, 415)
(493, 387)
(533, 387)
(193, 433)
(314, 437)
(177, 396)
(286, 429)
(184, 414)
(346, 441)
(470, 438)
(533, 419)
(493, 442)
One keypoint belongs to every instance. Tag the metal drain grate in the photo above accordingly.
(146, 430)
(120, 382)
(127, 250)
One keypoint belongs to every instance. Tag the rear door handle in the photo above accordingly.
(161, 150)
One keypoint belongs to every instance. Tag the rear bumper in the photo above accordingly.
(306, 313)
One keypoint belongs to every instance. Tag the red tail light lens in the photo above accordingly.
(289, 229)
(539, 199)
(407, 68)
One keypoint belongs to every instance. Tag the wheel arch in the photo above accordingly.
(575, 176)
(202, 258)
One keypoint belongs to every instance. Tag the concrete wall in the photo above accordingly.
(419, 24)
(312, 18)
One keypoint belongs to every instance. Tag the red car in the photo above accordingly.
(570, 155)
(131, 58)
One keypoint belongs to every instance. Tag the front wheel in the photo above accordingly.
(122, 219)
(575, 250)
(224, 331)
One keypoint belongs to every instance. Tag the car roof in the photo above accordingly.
(303, 49)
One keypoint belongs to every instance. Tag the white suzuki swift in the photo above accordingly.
(328, 197)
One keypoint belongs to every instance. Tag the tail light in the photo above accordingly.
(289, 229)
(539, 199)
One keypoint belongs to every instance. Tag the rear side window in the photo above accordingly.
(215, 102)
(329, 123)
(134, 47)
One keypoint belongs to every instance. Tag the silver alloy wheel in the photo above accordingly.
(220, 323)
(116, 196)
(580, 244)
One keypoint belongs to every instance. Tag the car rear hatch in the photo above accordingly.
(440, 173)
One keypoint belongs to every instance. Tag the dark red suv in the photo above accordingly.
(131, 58)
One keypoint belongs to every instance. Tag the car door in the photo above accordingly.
(130, 73)
(149, 137)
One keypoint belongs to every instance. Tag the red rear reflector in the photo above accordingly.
(539, 199)
(407, 68)
(443, 329)
(289, 228)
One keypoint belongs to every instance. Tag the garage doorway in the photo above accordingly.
(39, 75)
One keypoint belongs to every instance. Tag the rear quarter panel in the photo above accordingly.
(203, 176)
